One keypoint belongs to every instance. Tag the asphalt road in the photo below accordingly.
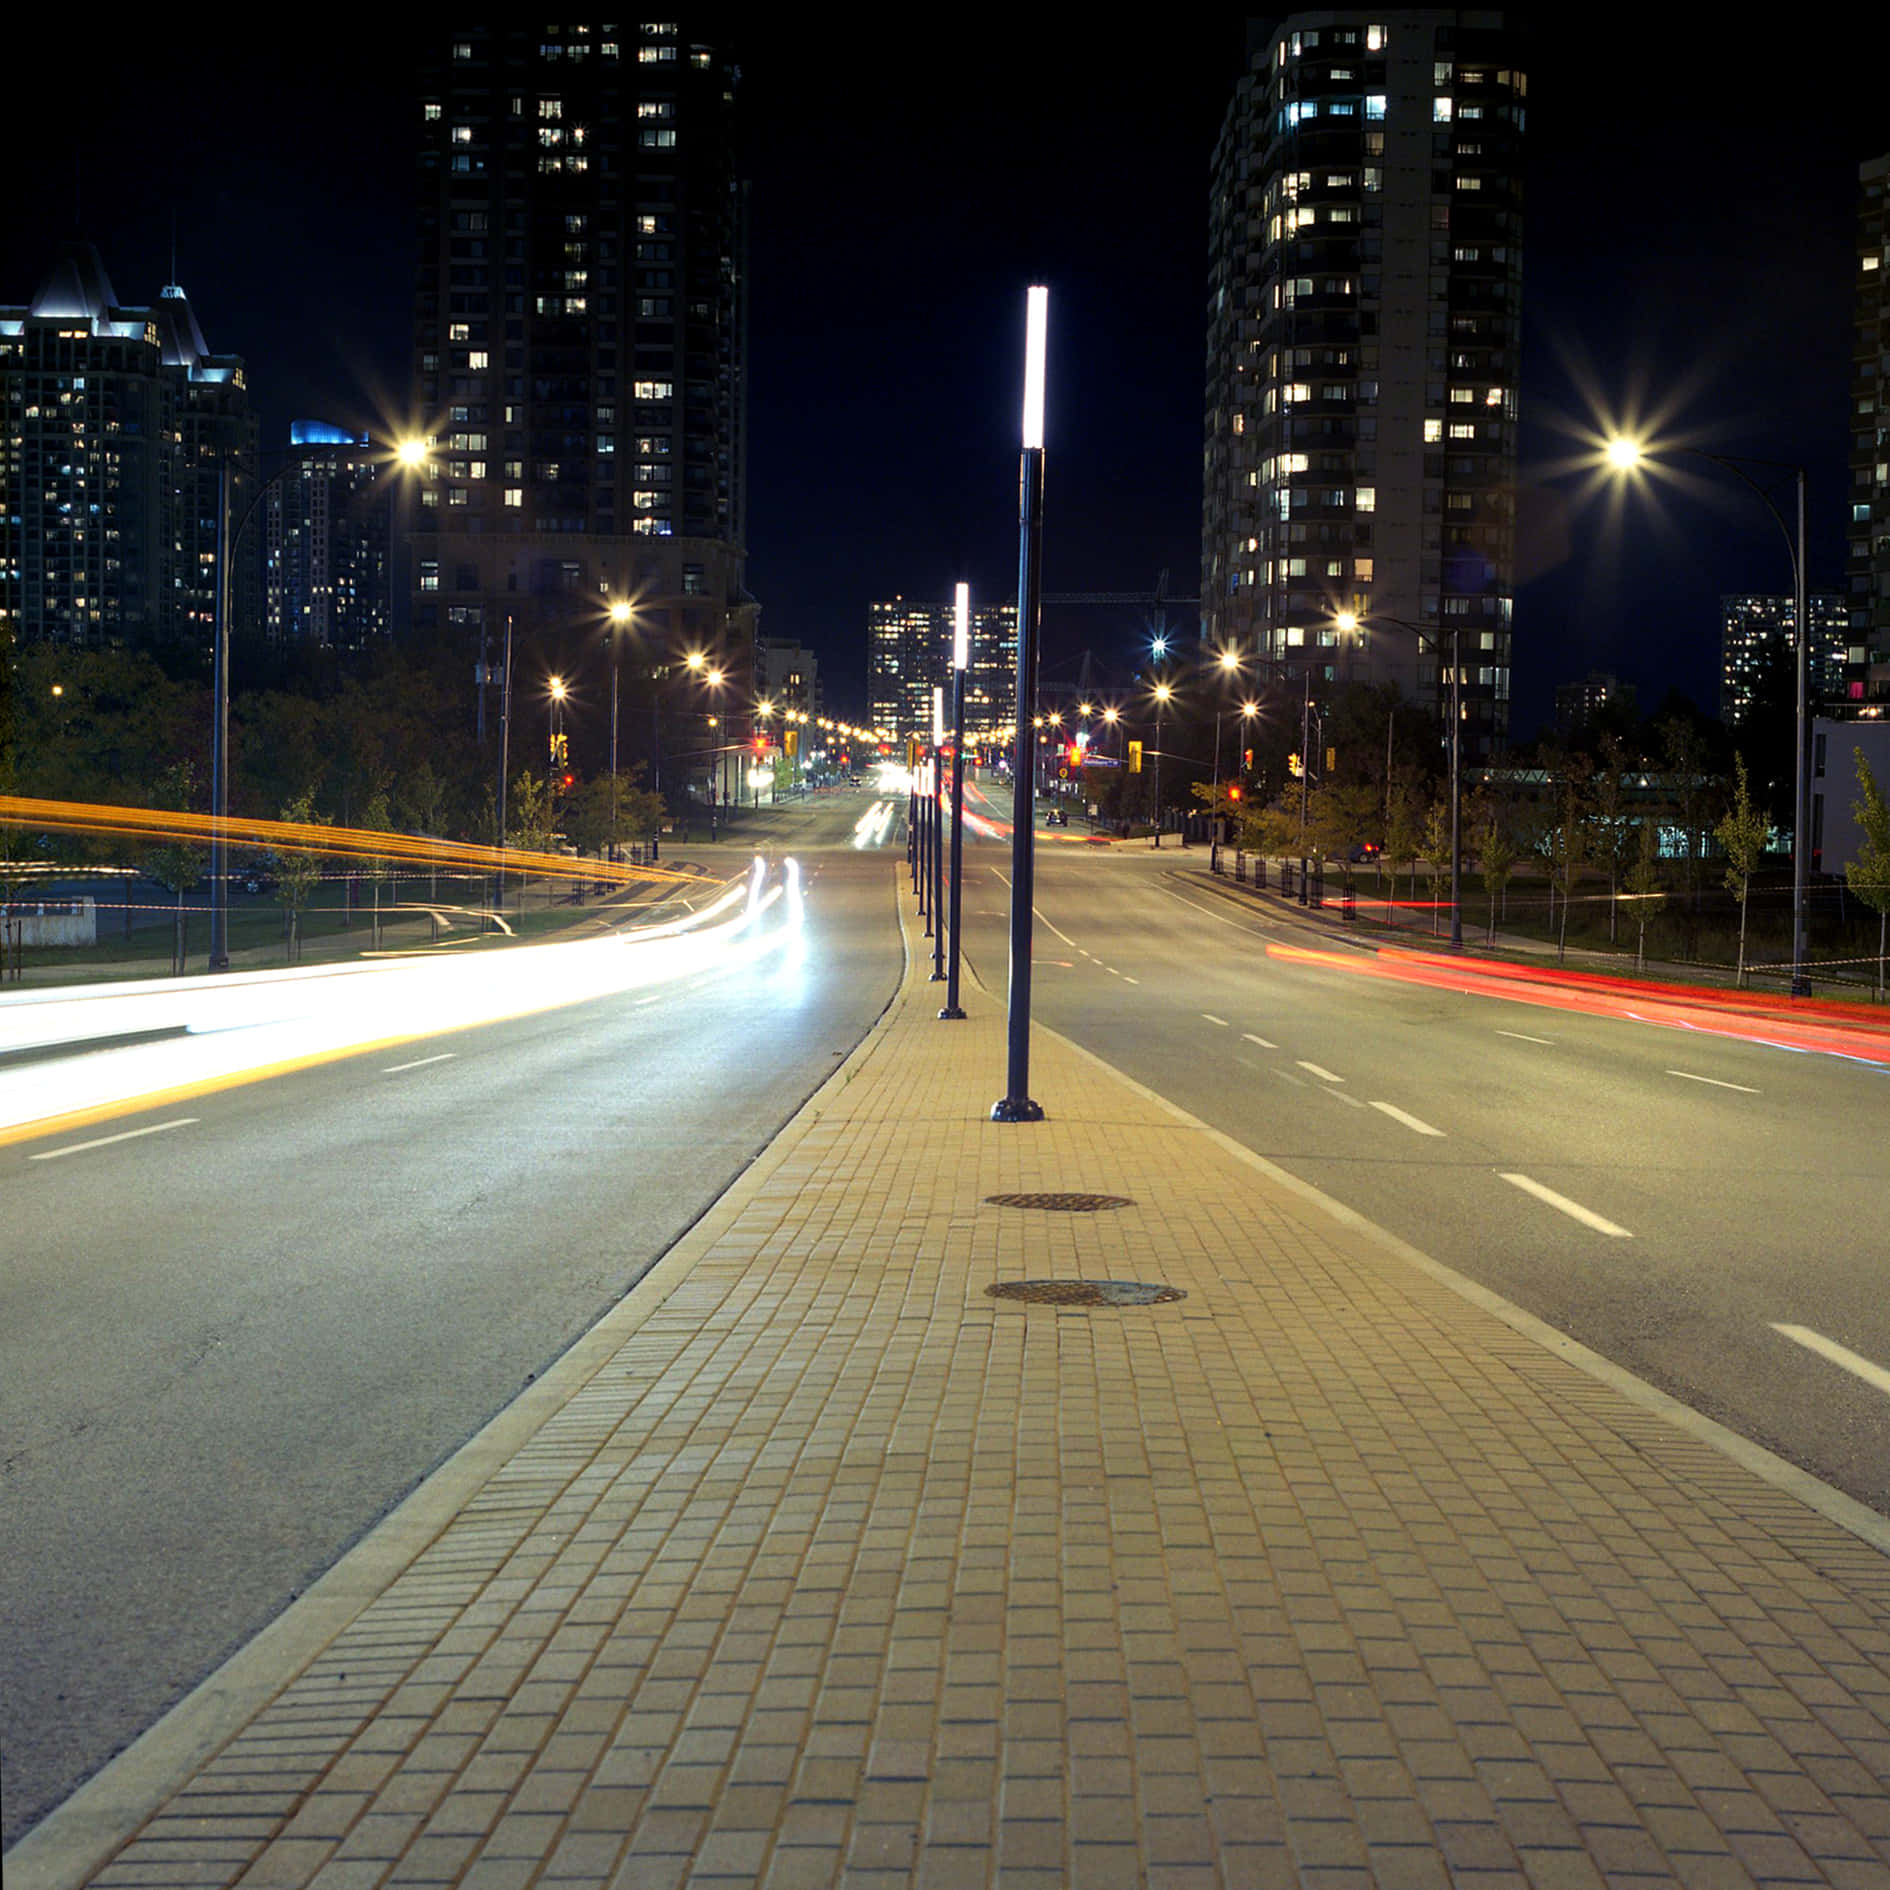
(227, 1351)
(1747, 1181)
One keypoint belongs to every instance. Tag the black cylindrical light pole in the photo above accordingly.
(220, 737)
(961, 654)
(936, 787)
(1016, 1105)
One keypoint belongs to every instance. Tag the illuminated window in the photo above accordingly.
(1362, 570)
(1365, 499)
(1440, 111)
(1433, 432)
(432, 113)
(462, 49)
(1469, 183)
(656, 138)
(514, 497)
(1463, 430)
(655, 108)
(429, 577)
(478, 361)
(1375, 39)
(654, 390)
(1374, 105)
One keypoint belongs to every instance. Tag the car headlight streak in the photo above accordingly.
(217, 1029)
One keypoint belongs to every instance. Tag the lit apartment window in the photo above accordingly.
(1433, 432)
(514, 497)
(654, 390)
(1365, 499)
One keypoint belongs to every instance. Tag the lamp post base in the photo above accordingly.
(221, 962)
(1801, 987)
(937, 977)
(951, 1011)
(1016, 1109)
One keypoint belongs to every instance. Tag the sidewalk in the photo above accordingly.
(815, 1564)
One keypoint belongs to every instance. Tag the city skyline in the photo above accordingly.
(1614, 300)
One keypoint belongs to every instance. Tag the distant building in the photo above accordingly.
(325, 535)
(1365, 306)
(909, 654)
(787, 674)
(1867, 569)
(115, 425)
(1756, 632)
(580, 348)
(1578, 703)
(1835, 833)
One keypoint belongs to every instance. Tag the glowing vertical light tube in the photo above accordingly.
(1036, 334)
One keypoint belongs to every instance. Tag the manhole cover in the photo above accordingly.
(1085, 1292)
(1061, 1203)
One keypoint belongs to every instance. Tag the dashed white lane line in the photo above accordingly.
(1871, 1373)
(1339, 1095)
(1745, 1089)
(1287, 1076)
(1325, 1076)
(1126, 979)
(420, 1063)
(656, 998)
(1212, 1019)
(1411, 1122)
(1520, 1038)
(1573, 1209)
(105, 1141)
(1247, 1036)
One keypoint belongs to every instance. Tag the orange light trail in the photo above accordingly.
(285, 836)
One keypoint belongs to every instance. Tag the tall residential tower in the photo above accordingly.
(1868, 565)
(579, 346)
(1364, 320)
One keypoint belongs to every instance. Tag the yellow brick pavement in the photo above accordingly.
(838, 1571)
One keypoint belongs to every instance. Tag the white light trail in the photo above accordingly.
(244, 1023)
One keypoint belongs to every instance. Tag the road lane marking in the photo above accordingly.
(420, 1063)
(105, 1141)
(1339, 1095)
(1287, 1076)
(654, 998)
(1743, 1088)
(1871, 1374)
(1325, 1076)
(1212, 1019)
(1247, 1036)
(1126, 979)
(1520, 1038)
(1410, 1122)
(1573, 1209)
(1064, 936)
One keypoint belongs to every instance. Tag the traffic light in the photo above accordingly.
(1233, 793)
(568, 780)
(1332, 761)
(791, 742)
(1293, 765)
(1135, 757)
(1247, 759)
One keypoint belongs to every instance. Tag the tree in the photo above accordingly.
(1685, 750)
(1496, 849)
(1644, 887)
(298, 873)
(1341, 818)
(1613, 831)
(422, 798)
(172, 863)
(1436, 849)
(1404, 833)
(1742, 833)
(1868, 876)
(597, 818)
(377, 817)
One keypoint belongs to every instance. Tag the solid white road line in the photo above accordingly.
(1212, 1019)
(1064, 936)
(105, 1141)
(1410, 1122)
(1871, 1374)
(420, 1063)
(1520, 1038)
(1247, 1036)
(1743, 1088)
(1324, 1076)
(1573, 1209)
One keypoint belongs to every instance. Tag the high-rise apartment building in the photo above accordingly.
(1757, 633)
(579, 343)
(1364, 321)
(787, 676)
(1867, 679)
(909, 648)
(115, 426)
(325, 534)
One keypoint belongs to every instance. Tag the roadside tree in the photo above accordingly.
(298, 873)
(175, 864)
(1742, 833)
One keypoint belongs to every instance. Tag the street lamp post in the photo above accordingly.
(1163, 692)
(937, 819)
(1624, 455)
(961, 657)
(1229, 662)
(1016, 1104)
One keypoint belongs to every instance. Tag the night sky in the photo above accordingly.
(1688, 247)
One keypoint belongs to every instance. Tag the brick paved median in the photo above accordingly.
(836, 1570)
